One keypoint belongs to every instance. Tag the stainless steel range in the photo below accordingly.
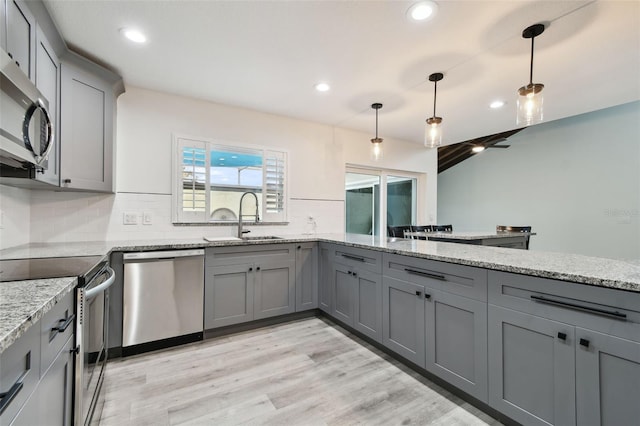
(92, 322)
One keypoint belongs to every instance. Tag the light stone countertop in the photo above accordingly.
(22, 303)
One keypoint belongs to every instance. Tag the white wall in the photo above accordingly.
(147, 120)
(576, 181)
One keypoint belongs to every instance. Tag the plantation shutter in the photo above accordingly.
(275, 169)
(192, 180)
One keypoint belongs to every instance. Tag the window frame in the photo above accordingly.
(179, 216)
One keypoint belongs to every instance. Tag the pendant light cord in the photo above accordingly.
(377, 123)
(531, 66)
(435, 93)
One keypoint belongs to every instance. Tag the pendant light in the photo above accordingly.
(376, 143)
(433, 129)
(530, 96)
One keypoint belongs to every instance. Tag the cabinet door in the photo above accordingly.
(48, 82)
(403, 319)
(21, 36)
(86, 142)
(607, 379)
(368, 304)
(306, 276)
(274, 289)
(324, 292)
(228, 295)
(343, 293)
(531, 368)
(51, 403)
(456, 341)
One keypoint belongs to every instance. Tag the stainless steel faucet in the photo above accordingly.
(240, 231)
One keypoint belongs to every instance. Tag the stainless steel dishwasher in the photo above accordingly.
(163, 299)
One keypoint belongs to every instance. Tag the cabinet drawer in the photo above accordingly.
(458, 279)
(56, 326)
(363, 259)
(609, 311)
(19, 372)
(234, 255)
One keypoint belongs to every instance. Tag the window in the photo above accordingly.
(210, 179)
(375, 199)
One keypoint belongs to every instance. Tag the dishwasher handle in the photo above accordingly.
(93, 292)
(151, 255)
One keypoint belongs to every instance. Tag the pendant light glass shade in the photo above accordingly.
(530, 99)
(376, 143)
(433, 128)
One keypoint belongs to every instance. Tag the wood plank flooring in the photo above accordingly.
(306, 372)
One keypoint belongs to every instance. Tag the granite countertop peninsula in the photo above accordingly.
(22, 303)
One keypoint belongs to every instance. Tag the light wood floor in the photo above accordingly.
(306, 372)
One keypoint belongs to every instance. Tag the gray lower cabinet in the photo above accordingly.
(274, 288)
(325, 298)
(358, 299)
(52, 403)
(306, 276)
(607, 379)
(403, 319)
(87, 129)
(243, 292)
(37, 371)
(456, 341)
(531, 368)
(228, 295)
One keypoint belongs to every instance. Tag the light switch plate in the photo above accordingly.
(147, 218)
(130, 218)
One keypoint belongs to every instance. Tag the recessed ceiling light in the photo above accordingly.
(496, 104)
(322, 87)
(477, 148)
(134, 35)
(422, 11)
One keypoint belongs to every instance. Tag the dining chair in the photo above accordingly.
(442, 228)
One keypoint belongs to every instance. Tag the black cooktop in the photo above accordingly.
(46, 267)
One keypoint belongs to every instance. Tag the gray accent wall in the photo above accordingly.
(576, 181)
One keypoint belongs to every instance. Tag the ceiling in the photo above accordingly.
(267, 56)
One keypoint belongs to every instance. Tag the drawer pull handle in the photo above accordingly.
(348, 256)
(584, 342)
(250, 269)
(595, 311)
(562, 336)
(425, 274)
(63, 324)
(427, 296)
(7, 397)
(418, 293)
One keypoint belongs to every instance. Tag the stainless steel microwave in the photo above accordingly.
(26, 130)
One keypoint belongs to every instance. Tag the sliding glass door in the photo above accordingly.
(375, 199)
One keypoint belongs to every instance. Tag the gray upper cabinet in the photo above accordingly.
(20, 38)
(456, 341)
(87, 129)
(48, 82)
(532, 368)
(306, 276)
(607, 379)
(403, 319)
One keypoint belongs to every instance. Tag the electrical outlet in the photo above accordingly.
(130, 218)
(147, 218)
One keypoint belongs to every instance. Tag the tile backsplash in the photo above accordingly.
(72, 216)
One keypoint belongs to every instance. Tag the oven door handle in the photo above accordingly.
(91, 293)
